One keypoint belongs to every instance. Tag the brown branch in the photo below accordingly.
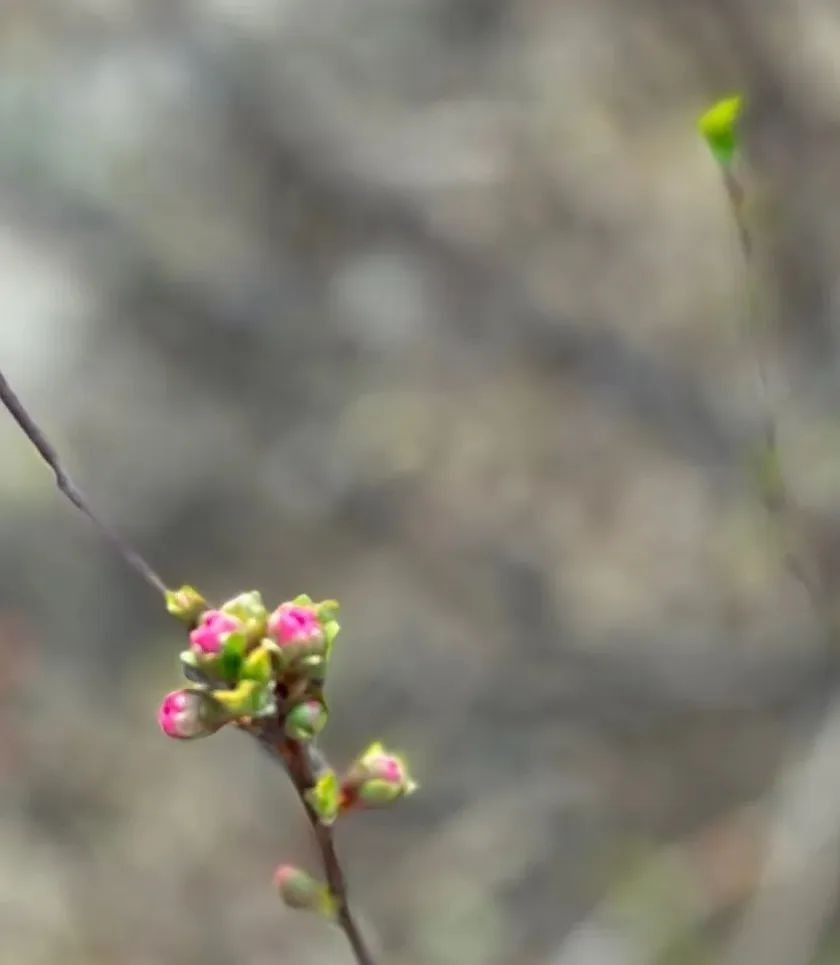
(69, 489)
(302, 770)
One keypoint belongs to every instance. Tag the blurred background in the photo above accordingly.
(436, 307)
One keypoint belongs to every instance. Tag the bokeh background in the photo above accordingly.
(436, 307)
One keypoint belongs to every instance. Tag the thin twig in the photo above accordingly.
(302, 772)
(69, 489)
(800, 869)
(303, 763)
(775, 497)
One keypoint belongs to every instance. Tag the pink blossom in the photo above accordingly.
(386, 767)
(293, 623)
(208, 636)
(284, 874)
(185, 714)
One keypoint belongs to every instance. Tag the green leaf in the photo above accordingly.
(249, 698)
(232, 653)
(257, 665)
(718, 125)
(323, 798)
(302, 600)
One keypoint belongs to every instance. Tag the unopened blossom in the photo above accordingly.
(293, 623)
(189, 713)
(209, 635)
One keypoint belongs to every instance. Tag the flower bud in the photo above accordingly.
(377, 778)
(212, 631)
(300, 890)
(294, 623)
(189, 713)
(186, 603)
(306, 721)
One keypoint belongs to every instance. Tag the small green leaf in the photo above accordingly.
(718, 125)
(233, 651)
(323, 798)
(302, 600)
(249, 698)
(257, 665)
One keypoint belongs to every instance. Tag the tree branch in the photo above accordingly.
(69, 489)
(302, 770)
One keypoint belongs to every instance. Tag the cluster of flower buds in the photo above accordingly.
(265, 671)
(246, 664)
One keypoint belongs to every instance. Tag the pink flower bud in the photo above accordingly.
(386, 767)
(209, 635)
(186, 714)
(300, 890)
(376, 778)
(294, 623)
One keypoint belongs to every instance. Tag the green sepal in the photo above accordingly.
(324, 797)
(331, 631)
(303, 599)
(185, 603)
(718, 125)
(306, 658)
(192, 668)
(250, 610)
(249, 698)
(189, 658)
(257, 665)
(232, 654)
(327, 610)
(378, 793)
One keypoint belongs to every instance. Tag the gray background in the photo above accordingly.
(437, 307)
